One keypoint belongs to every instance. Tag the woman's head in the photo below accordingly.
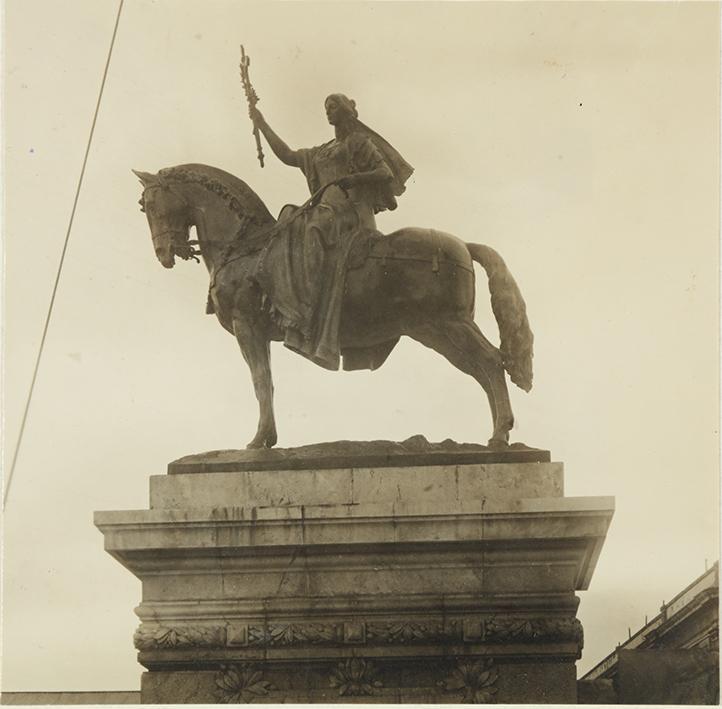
(340, 108)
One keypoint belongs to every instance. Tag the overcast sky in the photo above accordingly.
(579, 140)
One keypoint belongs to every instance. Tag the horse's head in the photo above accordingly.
(169, 216)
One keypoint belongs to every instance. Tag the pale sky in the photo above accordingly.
(579, 140)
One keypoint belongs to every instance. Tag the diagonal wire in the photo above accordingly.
(62, 260)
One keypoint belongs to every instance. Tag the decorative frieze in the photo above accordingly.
(294, 633)
(406, 632)
(511, 629)
(154, 637)
(497, 629)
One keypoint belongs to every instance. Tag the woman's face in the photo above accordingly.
(335, 112)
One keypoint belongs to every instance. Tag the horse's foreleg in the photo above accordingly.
(464, 345)
(255, 347)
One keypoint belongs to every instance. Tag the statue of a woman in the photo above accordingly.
(355, 175)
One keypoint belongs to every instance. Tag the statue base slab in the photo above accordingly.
(413, 451)
(424, 583)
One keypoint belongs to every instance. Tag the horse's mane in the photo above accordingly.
(239, 197)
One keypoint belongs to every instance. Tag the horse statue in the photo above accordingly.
(415, 282)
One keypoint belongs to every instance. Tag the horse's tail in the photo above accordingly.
(517, 340)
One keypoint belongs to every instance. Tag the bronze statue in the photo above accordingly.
(324, 281)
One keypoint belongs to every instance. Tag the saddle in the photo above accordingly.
(425, 247)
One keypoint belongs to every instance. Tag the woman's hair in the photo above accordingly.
(348, 104)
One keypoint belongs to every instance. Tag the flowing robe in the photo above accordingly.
(302, 271)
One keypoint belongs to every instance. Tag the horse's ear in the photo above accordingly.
(146, 178)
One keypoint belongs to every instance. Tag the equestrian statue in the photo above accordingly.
(323, 280)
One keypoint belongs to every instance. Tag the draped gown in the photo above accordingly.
(302, 271)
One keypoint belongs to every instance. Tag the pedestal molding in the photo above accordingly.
(489, 604)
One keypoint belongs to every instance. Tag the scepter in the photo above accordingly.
(251, 97)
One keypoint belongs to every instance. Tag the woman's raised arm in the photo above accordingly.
(280, 149)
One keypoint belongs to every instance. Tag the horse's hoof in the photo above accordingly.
(497, 444)
(258, 444)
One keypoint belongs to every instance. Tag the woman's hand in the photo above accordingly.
(280, 149)
(256, 116)
(381, 174)
(346, 183)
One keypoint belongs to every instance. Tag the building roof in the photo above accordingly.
(671, 615)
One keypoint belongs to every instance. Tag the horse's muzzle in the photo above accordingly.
(166, 257)
(166, 244)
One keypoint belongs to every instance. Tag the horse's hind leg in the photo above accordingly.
(464, 345)
(256, 351)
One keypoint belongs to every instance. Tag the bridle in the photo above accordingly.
(185, 250)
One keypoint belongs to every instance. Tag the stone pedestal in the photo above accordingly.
(422, 583)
